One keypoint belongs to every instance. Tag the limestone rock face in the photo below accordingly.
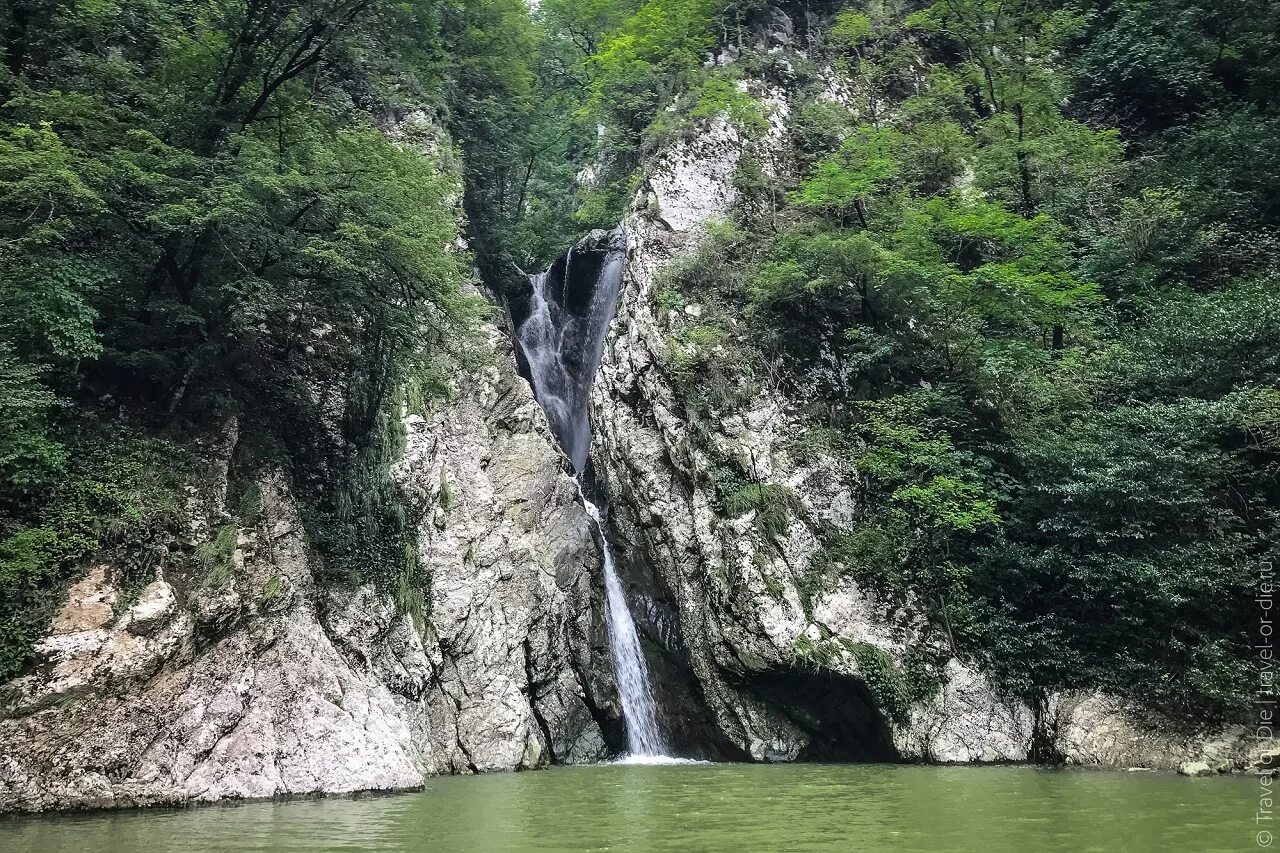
(739, 621)
(778, 667)
(268, 683)
(522, 655)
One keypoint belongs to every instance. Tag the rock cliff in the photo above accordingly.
(265, 683)
(754, 661)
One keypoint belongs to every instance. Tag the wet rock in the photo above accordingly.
(1195, 768)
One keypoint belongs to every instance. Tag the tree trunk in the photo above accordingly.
(15, 38)
(1024, 165)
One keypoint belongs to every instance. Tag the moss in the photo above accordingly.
(446, 492)
(772, 585)
(692, 349)
(431, 380)
(880, 674)
(272, 588)
(411, 598)
(896, 688)
(363, 524)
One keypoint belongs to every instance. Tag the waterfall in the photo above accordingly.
(630, 671)
(561, 338)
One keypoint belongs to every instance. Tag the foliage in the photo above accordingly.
(1027, 295)
(214, 556)
(203, 216)
(118, 498)
(1019, 279)
(841, 184)
(894, 688)
(773, 506)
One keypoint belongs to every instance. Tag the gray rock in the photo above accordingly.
(154, 608)
(751, 640)
(272, 685)
(1195, 768)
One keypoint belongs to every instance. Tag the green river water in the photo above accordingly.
(731, 808)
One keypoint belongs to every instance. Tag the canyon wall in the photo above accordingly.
(778, 669)
(267, 683)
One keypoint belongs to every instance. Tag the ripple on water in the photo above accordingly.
(654, 760)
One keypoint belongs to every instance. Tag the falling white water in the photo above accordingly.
(644, 738)
(562, 340)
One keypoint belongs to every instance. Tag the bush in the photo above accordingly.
(773, 506)
(120, 500)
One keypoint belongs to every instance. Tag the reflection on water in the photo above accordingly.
(734, 808)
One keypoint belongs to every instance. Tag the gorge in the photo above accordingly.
(561, 340)
(892, 434)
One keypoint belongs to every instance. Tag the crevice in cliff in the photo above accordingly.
(531, 680)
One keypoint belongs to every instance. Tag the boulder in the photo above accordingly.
(1195, 769)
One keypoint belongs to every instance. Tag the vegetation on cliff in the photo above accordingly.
(202, 218)
(1017, 269)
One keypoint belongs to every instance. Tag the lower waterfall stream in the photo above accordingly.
(644, 737)
(562, 341)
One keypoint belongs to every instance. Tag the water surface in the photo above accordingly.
(723, 808)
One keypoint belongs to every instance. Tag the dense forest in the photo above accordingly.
(1020, 276)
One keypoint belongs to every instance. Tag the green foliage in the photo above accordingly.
(850, 29)
(200, 218)
(1024, 290)
(1028, 297)
(706, 354)
(1007, 270)
(649, 58)
(604, 206)
(841, 185)
(720, 95)
(1154, 65)
(614, 80)
(694, 349)
(879, 673)
(894, 688)
(214, 556)
(119, 493)
(367, 526)
(929, 483)
(819, 126)
(272, 588)
(772, 504)
(808, 267)
(249, 505)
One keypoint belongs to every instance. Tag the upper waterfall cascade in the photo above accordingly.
(561, 339)
(562, 335)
